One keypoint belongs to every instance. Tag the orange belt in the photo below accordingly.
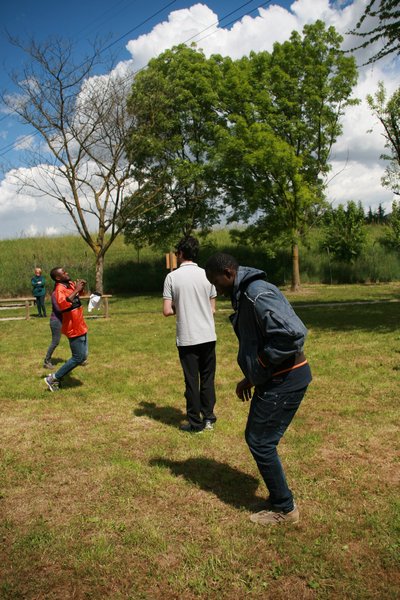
(292, 363)
(301, 364)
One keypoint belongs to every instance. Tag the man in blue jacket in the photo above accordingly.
(271, 338)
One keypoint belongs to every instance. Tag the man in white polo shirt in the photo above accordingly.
(189, 295)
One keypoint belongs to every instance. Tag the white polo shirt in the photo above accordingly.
(190, 291)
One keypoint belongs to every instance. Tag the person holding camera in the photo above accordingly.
(66, 293)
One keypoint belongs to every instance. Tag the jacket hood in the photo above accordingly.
(244, 276)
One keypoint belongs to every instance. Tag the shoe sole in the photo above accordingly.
(280, 520)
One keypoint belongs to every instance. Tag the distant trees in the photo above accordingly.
(377, 217)
(344, 231)
(391, 238)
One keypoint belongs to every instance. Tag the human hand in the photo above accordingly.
(80, 284)
(243, 390)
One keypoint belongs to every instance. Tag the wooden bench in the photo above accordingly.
(27, 303)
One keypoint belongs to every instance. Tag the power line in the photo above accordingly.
(9, 147)
(234, 20)
(120, 38)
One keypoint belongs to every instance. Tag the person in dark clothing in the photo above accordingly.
(55, 327)
(271, 339)
(39, 291)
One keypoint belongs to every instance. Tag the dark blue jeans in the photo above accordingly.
(270, 415)
(79, 349)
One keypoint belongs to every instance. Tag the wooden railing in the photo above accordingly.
(26, 303)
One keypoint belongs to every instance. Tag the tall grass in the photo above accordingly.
(130, 271)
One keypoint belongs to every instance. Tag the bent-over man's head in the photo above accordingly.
(221, 271)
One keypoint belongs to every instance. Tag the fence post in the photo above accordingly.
(27, 315)
(105, 308)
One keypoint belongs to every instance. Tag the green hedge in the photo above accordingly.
(128, 271)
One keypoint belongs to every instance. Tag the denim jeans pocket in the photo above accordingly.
(268, 409)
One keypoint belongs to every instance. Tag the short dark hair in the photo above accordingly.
(189, 247)
(217, 263)
(53, 273)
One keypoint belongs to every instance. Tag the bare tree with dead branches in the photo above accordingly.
(81, 122)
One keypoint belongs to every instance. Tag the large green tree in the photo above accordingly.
(388, 113)
(283, 113)
(174, 105)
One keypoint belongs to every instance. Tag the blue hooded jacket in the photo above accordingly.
(265, 324)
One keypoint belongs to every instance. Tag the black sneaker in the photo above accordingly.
(188, 428)
(48, 365)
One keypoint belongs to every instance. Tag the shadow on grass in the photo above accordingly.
(165, 414)
(344, 316)
(70, 382)
(230, 485)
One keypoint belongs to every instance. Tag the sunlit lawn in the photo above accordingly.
(101, 496)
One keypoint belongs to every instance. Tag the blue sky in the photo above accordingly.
(82, 21)
(139, 30)
(116, 23)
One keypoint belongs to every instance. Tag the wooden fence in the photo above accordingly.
(26, 304)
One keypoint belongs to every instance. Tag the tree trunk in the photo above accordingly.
(295, 268)
(99, 273)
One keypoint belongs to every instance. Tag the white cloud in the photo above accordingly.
(355, 156)
(24, 214)
(358, 182)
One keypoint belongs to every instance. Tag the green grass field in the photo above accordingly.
(102, 497)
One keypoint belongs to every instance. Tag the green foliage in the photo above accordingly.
(174, 103)
(283, 115)
(387, 28)
(388, 113)
(345, 234)
(391, 239)
(130, 271)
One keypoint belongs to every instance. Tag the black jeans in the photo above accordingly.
(198, 364)
(40, 305)
(270, 415)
